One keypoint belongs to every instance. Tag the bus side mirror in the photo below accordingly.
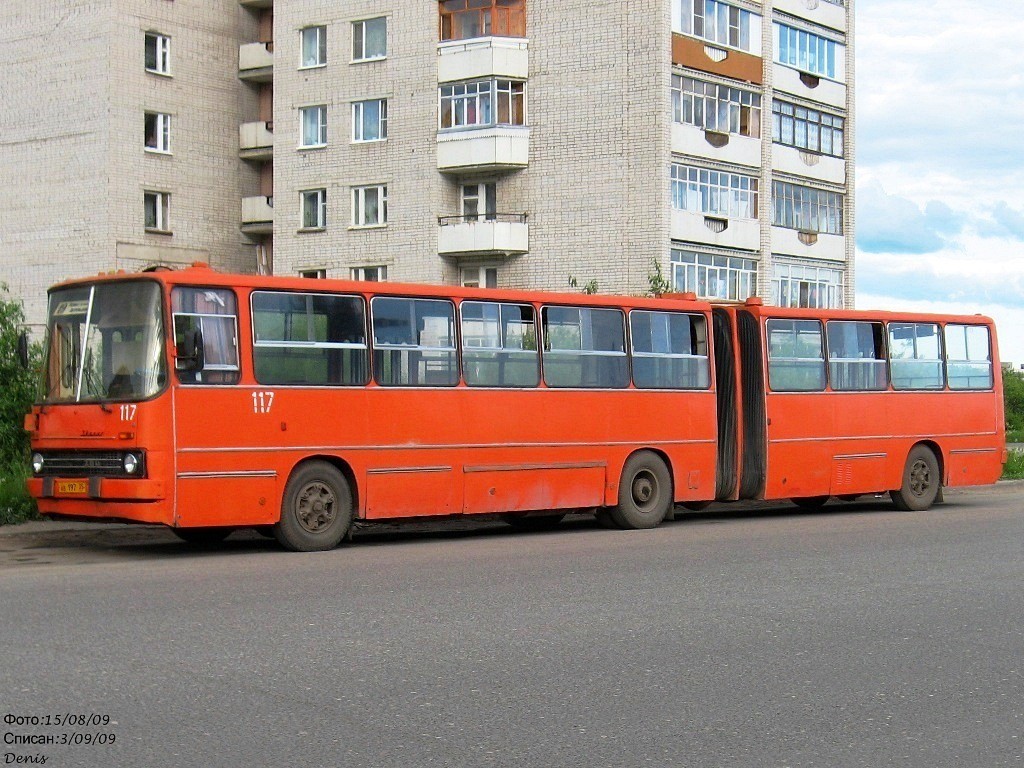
(23, 349)
(190, 353)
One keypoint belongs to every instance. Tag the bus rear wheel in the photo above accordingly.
(645, 492)
(921, 481)
(316, 510)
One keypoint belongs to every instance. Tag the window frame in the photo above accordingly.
(502, 348)
(321, 46)
(740, 34)
(634, 355)
(161, 53)
(808, 209)
(361, 273)
(796, 360)
(824, 122)
(161, 132)
(796, 45)
(949, 362)
(314, 345)
(359, 206)
(321, 111)
(457, 100)
(505, 20)
(852, 364)
(359, 28)
(382, 347)
(321, 208)
(708, 93)
(232, 373)
(162, 211)
(583, 352)
(718, 194)
(741, 277)
(895, 362)
(358, 121)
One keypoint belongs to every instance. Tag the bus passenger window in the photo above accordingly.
(585, 347)
(670, 350)
(795, 359)
(414, 342)
(968, 357)
(914, 357)
(499, 345)
(856, 356)
(309, 339)
(213, 312)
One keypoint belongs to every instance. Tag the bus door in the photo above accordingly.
(742, 449)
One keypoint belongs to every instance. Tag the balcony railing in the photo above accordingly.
(258, 214)
(510, 218)
(256, 140)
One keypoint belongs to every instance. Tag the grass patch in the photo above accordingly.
(16, 506)
(1014, 468)
(1015, 436)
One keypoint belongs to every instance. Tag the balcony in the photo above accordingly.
(723, 147)
(808, 245)
(744, 234)
(256, 62)
(482, 57)
(799, 162)
(258, 215)
(483, 149)
(256, 140)
(498, 234)
(809, 86)
(828, 13)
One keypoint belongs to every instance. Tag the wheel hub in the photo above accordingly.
(316, 507)
(920, 478)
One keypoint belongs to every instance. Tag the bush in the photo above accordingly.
(17, 390)
(1013, 399)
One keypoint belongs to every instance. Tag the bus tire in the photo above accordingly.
(921, 481)
(202, 537)
(316, 510)
(645, 492)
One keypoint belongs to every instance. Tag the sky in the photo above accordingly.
(940, 160)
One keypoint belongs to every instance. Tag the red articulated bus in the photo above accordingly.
(208, 402)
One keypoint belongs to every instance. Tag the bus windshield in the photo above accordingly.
(104, 342)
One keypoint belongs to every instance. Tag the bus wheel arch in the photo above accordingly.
(317, 506)
(645, 491)
(921, 479)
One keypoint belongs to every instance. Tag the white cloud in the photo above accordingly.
(940, 94)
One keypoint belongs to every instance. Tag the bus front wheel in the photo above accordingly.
(645, 492)
(921, 481)
(316, 510)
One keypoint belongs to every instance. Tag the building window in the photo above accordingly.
(480, 201)
(719, 22)
(370, 206)
(370, 120)
(807, 209)
(314, 208)
(157, 211)
(158, 53)
(158, 132)
(804, 128)
(807, 52)
(714, 276)
(482, 103)
(313, 274)
(375, 274)
(313, 128)
(715, 107)
(479, 277)
(799, 284)
(464, 19)
(370, 39)
(313, 43)
(715, 193)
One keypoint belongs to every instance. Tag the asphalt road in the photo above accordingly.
(857, 636)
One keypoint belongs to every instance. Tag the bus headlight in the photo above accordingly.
(131, 463)
(37, 462)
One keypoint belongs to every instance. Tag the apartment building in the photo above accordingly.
(481, 142)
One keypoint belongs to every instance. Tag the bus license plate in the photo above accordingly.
(73, 486)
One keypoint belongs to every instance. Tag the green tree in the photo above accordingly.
(17, 390)
(1013, 399)
(659, 286)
